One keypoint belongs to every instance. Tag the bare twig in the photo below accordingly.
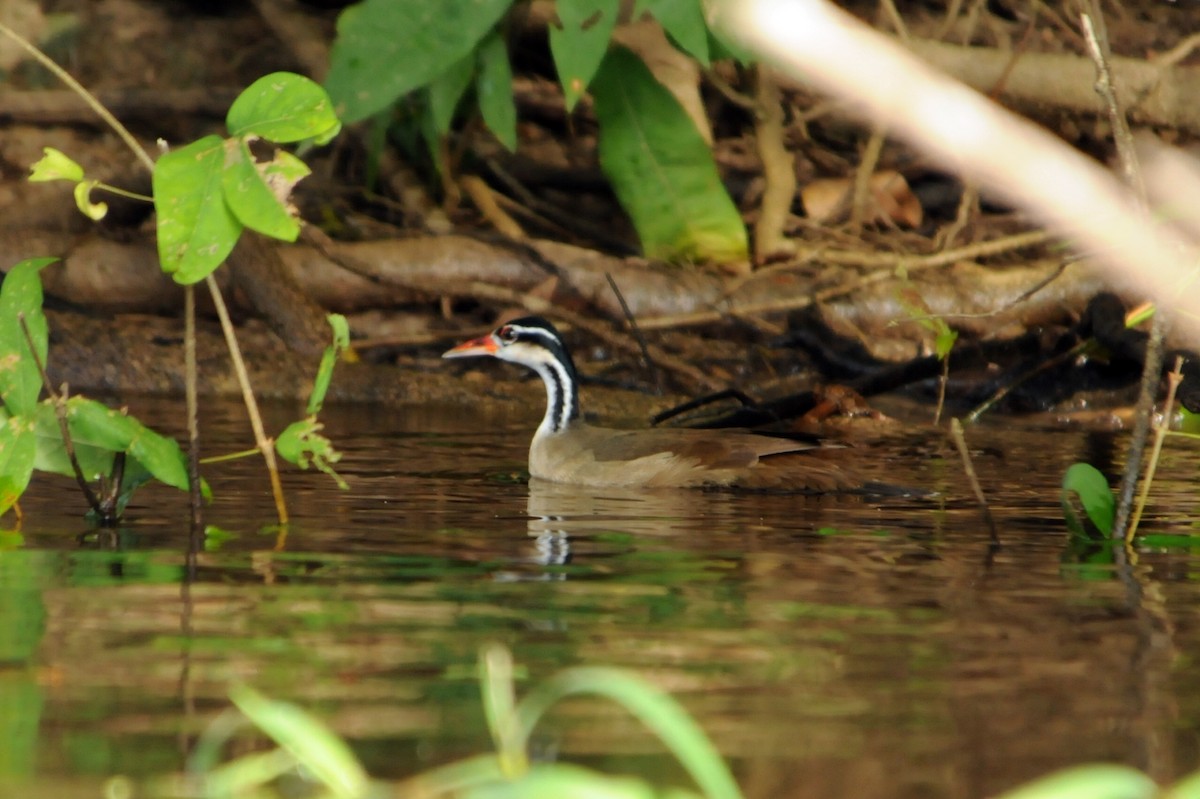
(863, 202)
(1160, 433)
(265, 445)
(193, 409)
(637, 332)
(960, 441)
(779, 170)
(485, 201)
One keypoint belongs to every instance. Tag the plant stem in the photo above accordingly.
(264, 444)
(60, 410)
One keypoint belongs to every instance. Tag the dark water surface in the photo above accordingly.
(832, 647)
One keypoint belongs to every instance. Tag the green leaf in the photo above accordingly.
(301, 443)
(1088, 782)
(54, 165)
(657, 711)
(251, 199)
(493, 87)
(684, 21)
(385, 49)
(283, 107)
(568, 781)
(1092, 488)
(83, 201)
(322, 753)
(94, 461)
(579, 45)
(18, 450)
(944, 340)
(661, 169)
(96, 424)
(447, 89)
(196, 229)
(341, 342)
(20, 378)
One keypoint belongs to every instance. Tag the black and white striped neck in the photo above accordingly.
(532, 341)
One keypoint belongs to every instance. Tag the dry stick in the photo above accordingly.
(960, 441)
(1160, 433)
(193, 419)
(60, 410)
(1096, 37)
(637, 333)
(485, 201)
(863, 201)
(265, 445)
(887, 265)
(779, 169)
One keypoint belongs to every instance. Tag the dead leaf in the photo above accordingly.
(828, 199)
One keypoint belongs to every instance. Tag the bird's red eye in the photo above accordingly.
(507, 334)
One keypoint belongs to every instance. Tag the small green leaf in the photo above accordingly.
(385, 49)
(683, 20)
(98, 425)
(196, 229)
(250, 197)
(55, 165)
(493, 87)
(661, 168)
(301, 443)
(283, 107)
(341, 342)
(18, 450)
(323, 754)
(83, 201)
(944, 340)
(447, 89)
(21, 294)
(579, 45)
(1091, 486)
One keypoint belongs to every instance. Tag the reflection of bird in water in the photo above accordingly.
(565, 449)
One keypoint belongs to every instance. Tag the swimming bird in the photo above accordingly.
(566, 449)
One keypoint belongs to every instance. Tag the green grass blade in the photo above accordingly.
(657, 711)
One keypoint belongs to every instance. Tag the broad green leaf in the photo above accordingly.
(493, 87)
(944, 341)
(283, 107)
(251, 199)
(684, 21)
(661, 169)
(447, 89)
(55, 165)
(94, 461)
(83, 201)
(18, 450)
(1092, 488)
(21, 294)
(579, 45)
(96, 424)
(323, 754)
(385, 49)
(196, 229)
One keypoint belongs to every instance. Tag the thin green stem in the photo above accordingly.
(133, 195)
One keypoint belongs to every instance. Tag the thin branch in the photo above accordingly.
(637, 332)
(960, 441)
(265, 445)
(60, 411)
(1160, 434)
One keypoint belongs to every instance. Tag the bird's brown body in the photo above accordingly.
(565, 449)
